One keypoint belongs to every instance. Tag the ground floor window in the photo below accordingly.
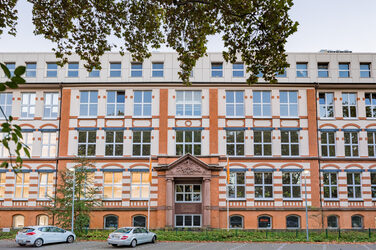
(188, 220)
(42, 220)
(292, 221)
(18, 221)
(236, 221)
(357, 221)
(139, 221)
(264, 222)
(332, 221)
(111, 221)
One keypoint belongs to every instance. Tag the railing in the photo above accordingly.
(292, 203)
(356, 203)
(264, 203)
(20, 204)
(237, 203)
(139, 203)
(331, 204)
(111, 203)
(44, 203)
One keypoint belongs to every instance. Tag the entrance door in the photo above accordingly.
(188, 204)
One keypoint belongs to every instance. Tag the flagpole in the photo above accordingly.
(227, 203)
(150, 177)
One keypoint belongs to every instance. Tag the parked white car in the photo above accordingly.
(40, 235)
(131, 236)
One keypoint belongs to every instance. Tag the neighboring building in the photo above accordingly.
(320, 117)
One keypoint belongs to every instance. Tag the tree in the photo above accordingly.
(85, 196)
(253, 31)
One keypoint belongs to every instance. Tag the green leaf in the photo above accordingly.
(4, 164)
(12, 84)
(20, 70)
(27, 152)
(2, 87)
(18, 79)
(5, 69)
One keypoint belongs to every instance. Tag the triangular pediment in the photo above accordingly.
(188, 165)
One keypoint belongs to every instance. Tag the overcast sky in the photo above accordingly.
(324, 24)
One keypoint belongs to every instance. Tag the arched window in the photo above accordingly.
(357, 221)
(236, 221)
(332, 221)
(139, 221)
(292, 221)
(111, 221)
(264, 222)
(42, 220)
(18, 221)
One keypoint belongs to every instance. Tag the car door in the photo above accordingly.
(45, 234)
(50, 236)
(145, 235)
(138, 235)
(60, 234)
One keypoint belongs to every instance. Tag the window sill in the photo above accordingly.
(327, 118)
(111, 199)
(350, 118)
(87, 117)
(236, 199)
(188, 201)
(262, 117)
(289, 117)
(264, 199)
(114, 117)
(188, 117)
(19, 199)
(292, 199)
(142, 117)
(358, 200)
(331, 199)
(43, 199)
(135, 199)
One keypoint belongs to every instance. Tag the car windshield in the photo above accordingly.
(124, 230)
(27, 230)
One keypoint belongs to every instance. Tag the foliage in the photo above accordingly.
(85, 196)
(8, 16)
(253, 31)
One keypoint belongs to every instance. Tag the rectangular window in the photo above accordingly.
(187, 193)
(114, 143)
(6, 104)
(142, 103)
(27, 138)
(371, 138)
(263, 185)
(115, 103)
(349, 105)
(2, 185)
(217, 69)
(136, 69)
(188, 142)
(354, 190)
(365, 70)
(328, 144)
(344, 70)
(291, 185)
(115, 69)
(112, 185)
(323, 70)
(31, 70)
(301, 70)
(28, 105)
(188, 220)
(141, 143)
(238, 70)
(51, 105)
(21, 188)
(188, 103)
(262, 104)
(330, 185)
(235, 103)
(236, 187)
(95, 73)
(290, 143)
(88, 103)
(351, 144)
(140, 185)
(235, 142)
(157, 69)
(87, 141)
(289, 103)
(326, 102)
(370, 105)
(262, 143)
(46, 183)
(73, 69)
(49, 144)
(373, 185)
(11, 67)
(51, 70)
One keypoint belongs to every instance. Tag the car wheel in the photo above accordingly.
(38, 242)
(70, 239)
(133, 243)
(154, 239)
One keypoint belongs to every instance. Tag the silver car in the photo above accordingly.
(131, 236)
(40, 235)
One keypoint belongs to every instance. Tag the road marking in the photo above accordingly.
(366, 247)
(279, 248)
(239, 246)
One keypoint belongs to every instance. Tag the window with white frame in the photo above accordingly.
(263, 185)
(234, 103)
(301, 69)
(332, 221)
(11, 67)
(140, 185)
(157, 69)
(188, 103)
(28, 105)
(330, 185)
(351, 144)
(236, 221)
(344, 70)
(3, 151)
(51, 69)
(370, 105)
(365, 70)
(49, 142)
(373, 184)
(27, 139)
(88, 103)
(112, 185)
(136, 69)
(188, 141)
(87, 141)
(349, 105)
(46, 183)
(21, 188)
(114, 143)
(290, 143)
(371, 138)
(51, 105)
(31, 69)
(323, 70)
(354, 186)
(292, 222)
(238, 70)
(357, 221)
(235, 142)
(217, 69)
(236, 186)
(95, 73)
(73, 69)
(141, 143)
(187, 220)
(187, 193)
(291, 183)
(115, 103)
(288, 103)
(115, 69)
(262, 106)
(142, 103)
(2, 185)
(328, 144)
(262, 143)
(326, 102)
(6, 105)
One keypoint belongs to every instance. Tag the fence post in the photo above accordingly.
(266, 233)
(296, 233)
(339, 233)
(326, 233)
(369, 233)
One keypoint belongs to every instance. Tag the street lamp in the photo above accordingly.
(305, 174)
(73, 194)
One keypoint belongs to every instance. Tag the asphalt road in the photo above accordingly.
(7, 244)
